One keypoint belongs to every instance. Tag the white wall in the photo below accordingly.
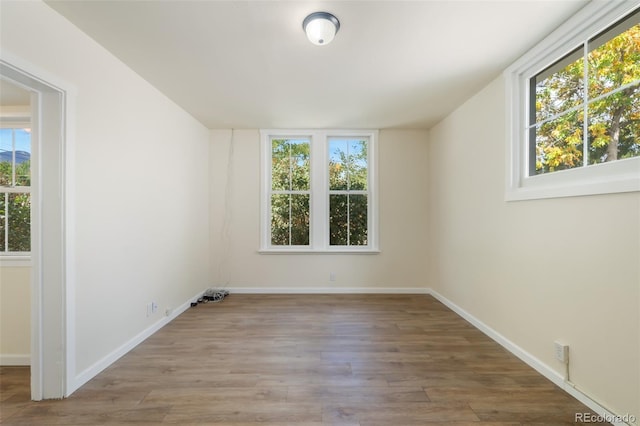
(236, 263)
(15, 315)
(535, 271)
(141, 185)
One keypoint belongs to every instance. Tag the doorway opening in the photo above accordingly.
(49, 298)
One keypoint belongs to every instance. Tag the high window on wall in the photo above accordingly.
(15, 190)
(318, 191)
(575, 108)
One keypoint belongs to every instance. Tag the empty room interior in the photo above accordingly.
(420, 212)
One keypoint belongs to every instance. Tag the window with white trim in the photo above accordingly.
(318, 191)
(574, 108)
(15, 190)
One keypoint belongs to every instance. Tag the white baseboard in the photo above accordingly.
(327, 290)
(532, 361)
(96, 368)
(7, 360)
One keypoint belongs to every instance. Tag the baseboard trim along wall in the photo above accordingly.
(530, 360)
(96, 368)
(328, 290)
(12, 360)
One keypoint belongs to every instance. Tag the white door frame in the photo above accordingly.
(52, 303)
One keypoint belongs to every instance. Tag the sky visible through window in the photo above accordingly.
(22, 144)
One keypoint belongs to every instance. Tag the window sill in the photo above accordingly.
(606, 178)
(314, 251)
(15, 261)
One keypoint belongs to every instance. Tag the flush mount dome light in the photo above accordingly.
(321, 27)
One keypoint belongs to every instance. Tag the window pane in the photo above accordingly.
(280, 165)
(348, 164)
(6, 157)
(15, 143)
(290, 166)
(280, 216)
(614, 59)
(23, 157)
(559, 87)
(348, 220)
(559, 143)
(2, 221)
(19, 223)
(338, 220)
(338, 164)
(300, 220)
(357, 165)
(357, 220)
(289, 219)
(614, 126)
(300, 165)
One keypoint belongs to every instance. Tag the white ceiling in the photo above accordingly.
(248, 64)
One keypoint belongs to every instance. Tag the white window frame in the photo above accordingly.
(319, 203)
(22, 258)
(614, 177)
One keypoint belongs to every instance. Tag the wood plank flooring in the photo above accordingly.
(282, 360)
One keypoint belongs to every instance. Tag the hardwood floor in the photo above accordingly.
(307, 360)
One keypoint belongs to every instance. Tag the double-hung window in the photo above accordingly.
(15, 191)
(574, 107)
(319, 191)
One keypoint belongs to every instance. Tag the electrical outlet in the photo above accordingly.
(152, 308)
(562, 351)
(332, 276)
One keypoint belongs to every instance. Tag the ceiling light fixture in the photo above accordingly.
(321, 27)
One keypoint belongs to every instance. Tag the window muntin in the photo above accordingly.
(15, 191)
(324, 200)
(608, 65)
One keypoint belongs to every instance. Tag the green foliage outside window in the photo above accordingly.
(290, 185)
(18, 208)
(23, 174)
(613, 106)
(348, 202)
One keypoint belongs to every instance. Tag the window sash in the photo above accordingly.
(285, 192)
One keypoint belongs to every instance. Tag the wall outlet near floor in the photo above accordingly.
(561, 351)
(332, 276)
